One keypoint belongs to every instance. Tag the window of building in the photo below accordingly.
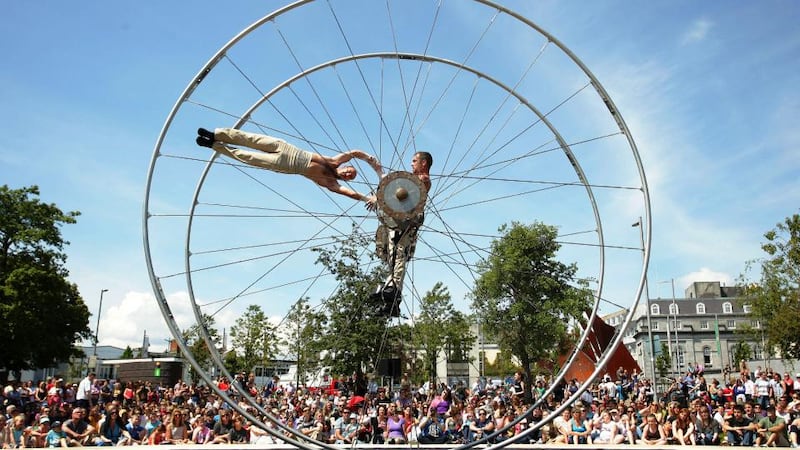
(701, 308)
(747, 309)
(678, 325)
(755, 324)
(655, 325)
(757, 353)
(727, 308)
(655, 310)
(707, 356)
(703, 324)
(731, 324)
(681, 356)
(673, 309)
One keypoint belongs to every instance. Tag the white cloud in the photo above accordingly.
(697, 32)
(124, 323)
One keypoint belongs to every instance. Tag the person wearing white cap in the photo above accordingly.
(350, 432)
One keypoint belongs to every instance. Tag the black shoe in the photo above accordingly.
(205, 142)
(205, 133)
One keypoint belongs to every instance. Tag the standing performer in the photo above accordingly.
(279, 156)
(397, 245)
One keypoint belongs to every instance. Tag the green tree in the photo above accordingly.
(439, 329)
(458, 339)
(502, 366)
(42, 313)
(663, 361)
(193, 336)
(127, 353)
(525, 298)
(356, 331)
(302, 337)
(233, 362)
(775, 298)
(741, 352)
(254, 338)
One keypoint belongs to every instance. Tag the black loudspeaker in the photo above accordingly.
(389, 367)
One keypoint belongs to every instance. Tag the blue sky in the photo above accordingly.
(707, 89)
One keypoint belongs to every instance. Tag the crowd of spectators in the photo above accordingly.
(761, 408)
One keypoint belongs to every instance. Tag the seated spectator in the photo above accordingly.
(652, 432)
(158, 435)
(683, 428)
(202, 432)
(707, 429)
(56, 436)
(606, 431)
(222, 429)
(395, 429)
(432, 429)
(113, 431)
(239, 434)
(580, 431)
(738, 428)
(79, 432)
(771, 431)
(177, 431)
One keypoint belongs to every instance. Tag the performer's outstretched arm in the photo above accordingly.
(342, 158)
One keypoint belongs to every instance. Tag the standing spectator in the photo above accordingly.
(83, 397)
(763, 390)
(519, 388)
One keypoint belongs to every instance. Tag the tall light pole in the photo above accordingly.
(675, 327)
(651, 344)
(674, 312)
(97, 328)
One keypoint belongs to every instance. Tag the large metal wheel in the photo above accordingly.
(519, 128)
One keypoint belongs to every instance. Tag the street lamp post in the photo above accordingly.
(674, 320)
(649, 321)
(97, 327)
(675, 327)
